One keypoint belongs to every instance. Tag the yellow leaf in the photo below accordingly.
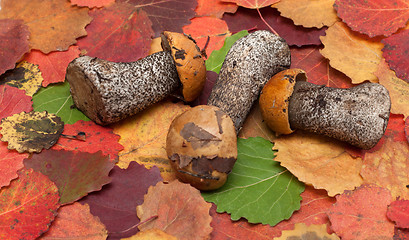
(26, 76)
(254, 126)
(144, 137)
(304, 232)
(398, 89)
(317, 13)
(354, 54)
(31, 132)
(319, 161)
(151, 234)
(388, 167)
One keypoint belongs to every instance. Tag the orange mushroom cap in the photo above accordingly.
(189, 63)
(275, 98)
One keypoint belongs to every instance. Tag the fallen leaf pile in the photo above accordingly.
(64, 177)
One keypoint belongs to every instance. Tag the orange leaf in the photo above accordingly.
(302, 231)
(144, 137)
(214, 8)
(398, 89)
(388, 167)
(352, 53)
(253, 4)
(53, 65)
(180, 209)
(254, 126)
(361, 214)
(308, 13)
(150, 234)
(53, 24)
(320, 161)
(93, 3)
(203, 27)
(75, 221)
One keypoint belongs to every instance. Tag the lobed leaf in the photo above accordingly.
(257, 189)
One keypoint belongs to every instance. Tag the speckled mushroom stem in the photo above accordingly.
(250, 63)
(107, 91)
(357, 115)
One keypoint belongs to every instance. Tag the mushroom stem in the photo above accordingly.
(357, 115)
(107, 91)
(249, 64)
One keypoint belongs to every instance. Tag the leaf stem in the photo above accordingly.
(265, 22)
(137, 225)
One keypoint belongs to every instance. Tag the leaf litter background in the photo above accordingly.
(92, 180)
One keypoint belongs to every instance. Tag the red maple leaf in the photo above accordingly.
(395, 53)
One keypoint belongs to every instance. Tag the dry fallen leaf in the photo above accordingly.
(214, 8)
(180, 209)
(54, 25)
(308, 13)
(304, 232)
(150, 234)
(352, 53)
(144, 137)
(320, 161)
(25, 76)
(388, 167)
(254, 126)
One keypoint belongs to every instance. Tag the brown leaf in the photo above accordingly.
(181, 210)
(308, 13)
(320, 161)
(149, 234)
(144, 137)
(352, 53)
(254, 125)
(388, 167)
(54, 25)
(304, 232)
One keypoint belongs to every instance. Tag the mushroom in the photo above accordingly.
(107, 92)
(201, 143)
(357, 115)
(249, 64)
(202, 147)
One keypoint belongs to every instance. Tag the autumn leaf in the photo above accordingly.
(25, 76)
(257, 189)
(57, 99)
(97, 138)
(395, 53)
(398, 89)
(75, 173)
(118, 33)
(12, 101)
(149, 234)
(374, 18)
(294, 35)
(115, 204)
(304, 232)
(76, 222)
(53, 24)
(317, 68)
(211, 78)
(54, 64)
(169, 15)
(27, 206)
(203, 28)
(10, 163)
(92, 4)
(401, 234)
(361, 214)
(13, 43)
(31, 132)
(255, 126)
(313, 206)
(351, 53)
(388, 166)
(216, 59)
(407, 128)
(398, 212)
(320, 161)
(214, 8)
(181, 210)
(308, 13)
(144, 137)
(253, 4)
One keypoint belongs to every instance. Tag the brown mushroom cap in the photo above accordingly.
(189, 63)
(275, 98)
(202, 147)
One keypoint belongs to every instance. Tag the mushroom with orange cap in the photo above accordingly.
(357, 115)
(107, 91)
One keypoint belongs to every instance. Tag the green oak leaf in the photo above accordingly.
(258, 188)
(216, 58)
(56, 98)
